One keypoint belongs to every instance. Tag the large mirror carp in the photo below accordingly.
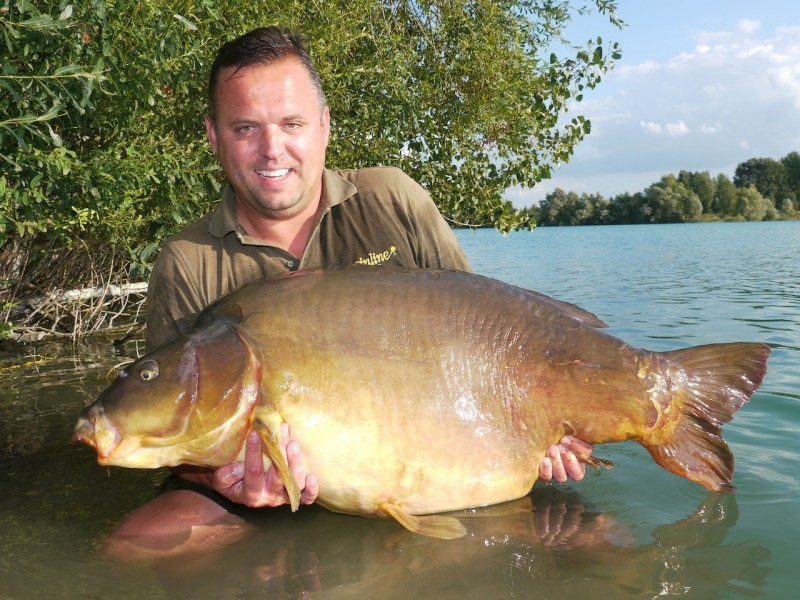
(416, 391)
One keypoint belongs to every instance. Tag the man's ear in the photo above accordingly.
(326, 124)
(211, 132)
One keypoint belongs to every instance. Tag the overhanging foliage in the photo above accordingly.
(101, 104)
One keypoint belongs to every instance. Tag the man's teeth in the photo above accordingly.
(278, 173)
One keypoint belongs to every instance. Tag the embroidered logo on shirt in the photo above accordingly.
(377, 258)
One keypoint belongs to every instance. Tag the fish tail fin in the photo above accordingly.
(720, 378)
(437, 526)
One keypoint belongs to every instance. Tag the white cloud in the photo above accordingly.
(735, 95)
(711, 129)
(748, 25)
(644, 68)
(650, 127)
(678, 128)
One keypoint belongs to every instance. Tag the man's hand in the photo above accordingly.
(248, 484)
(560, 462)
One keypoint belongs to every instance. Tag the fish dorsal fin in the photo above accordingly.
(222, 311)
(570, 310)
(437, 526)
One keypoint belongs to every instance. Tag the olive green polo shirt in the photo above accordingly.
(374, 216)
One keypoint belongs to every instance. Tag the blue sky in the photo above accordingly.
(702, 85)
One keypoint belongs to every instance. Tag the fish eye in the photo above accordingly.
(148, 371)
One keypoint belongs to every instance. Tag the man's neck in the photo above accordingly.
(291, 234)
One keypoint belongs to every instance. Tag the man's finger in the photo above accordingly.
(559, 473)
(228, 475)
(574, 469)
(310, 491)
(576, 445)
(253, 466)
(546, 469)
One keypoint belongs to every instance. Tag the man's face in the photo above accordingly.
(270, 136)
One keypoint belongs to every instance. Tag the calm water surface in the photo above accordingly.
(633, 532)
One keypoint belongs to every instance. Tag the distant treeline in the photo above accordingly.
(762, 189)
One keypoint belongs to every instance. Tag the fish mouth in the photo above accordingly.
(94, 430)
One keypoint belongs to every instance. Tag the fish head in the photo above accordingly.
(189, 402)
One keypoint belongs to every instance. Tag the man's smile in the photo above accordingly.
(276, 174)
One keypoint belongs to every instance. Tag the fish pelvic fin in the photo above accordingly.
(437, 526)
(719, 379)
(268, 425)
(595, 461)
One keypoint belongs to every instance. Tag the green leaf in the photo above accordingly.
(186, 22)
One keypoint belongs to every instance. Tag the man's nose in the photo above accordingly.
(271, 143)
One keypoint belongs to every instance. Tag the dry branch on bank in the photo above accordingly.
(67, 293)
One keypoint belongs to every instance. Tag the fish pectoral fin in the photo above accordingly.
(595, 461)
(268, 426)
(437, 526)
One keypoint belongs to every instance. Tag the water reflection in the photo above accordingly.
(547, 544)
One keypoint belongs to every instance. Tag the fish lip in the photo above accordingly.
(84, 432)
(104, 440)
(81, 437)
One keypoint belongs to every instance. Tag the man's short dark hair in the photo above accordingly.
(265, 45)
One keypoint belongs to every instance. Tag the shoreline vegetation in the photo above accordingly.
(762, 189)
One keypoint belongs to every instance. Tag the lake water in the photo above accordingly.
(635, 531)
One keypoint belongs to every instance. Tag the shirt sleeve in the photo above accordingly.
(437, 246)
(173, 299)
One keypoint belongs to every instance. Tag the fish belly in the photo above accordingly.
(427, 435)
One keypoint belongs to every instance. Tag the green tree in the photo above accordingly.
(569, 208)
(702, 185)
(671, 202)
(766, 174)
(597, 209)
(786, 208)
(751, 204)
(559, 208)
(725, 196)
(791, 165)
(629, 209)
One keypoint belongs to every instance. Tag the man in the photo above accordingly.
(282, 210)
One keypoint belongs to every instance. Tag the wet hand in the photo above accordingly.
(247, 483)
(561, 463)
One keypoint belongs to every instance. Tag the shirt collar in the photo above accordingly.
(335, 190)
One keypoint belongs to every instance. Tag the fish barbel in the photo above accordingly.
(416, 391)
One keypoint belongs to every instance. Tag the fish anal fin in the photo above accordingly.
(437, 526)
(268, 425)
